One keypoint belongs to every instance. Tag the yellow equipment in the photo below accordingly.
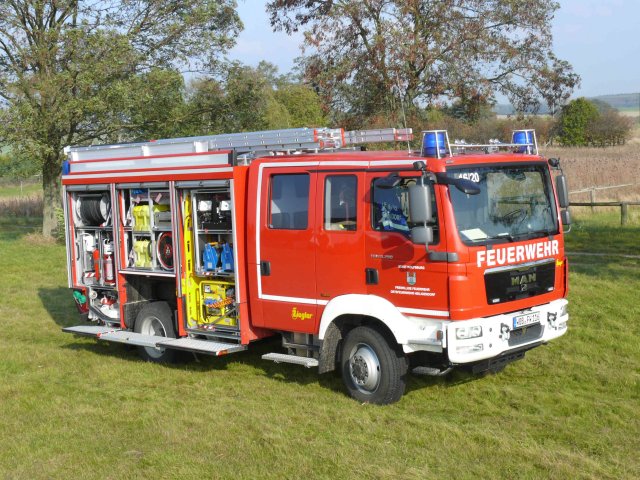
(210, 302)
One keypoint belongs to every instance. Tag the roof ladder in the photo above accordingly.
(254, 144)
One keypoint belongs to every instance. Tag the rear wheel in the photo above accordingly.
(156, 319)
(373, 370)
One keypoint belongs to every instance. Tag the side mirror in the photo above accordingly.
(420, 203)
(466, 186)
(422, 235)
(565, 217)
(563, 191)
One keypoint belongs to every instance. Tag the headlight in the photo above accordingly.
(462, 333)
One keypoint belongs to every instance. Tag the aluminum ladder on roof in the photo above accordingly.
(256, 143)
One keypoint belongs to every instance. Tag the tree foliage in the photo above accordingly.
(367, 56)
(244, 98)
(73, 71)
(585, 122)
(575, 118)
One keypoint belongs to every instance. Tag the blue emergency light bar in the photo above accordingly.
(435, 143)
(526, 138)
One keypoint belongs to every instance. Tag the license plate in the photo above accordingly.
(526, 319)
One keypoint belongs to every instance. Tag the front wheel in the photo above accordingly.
(373, 370)
(156, 319)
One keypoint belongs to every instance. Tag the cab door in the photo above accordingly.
(398, 269)
(286, 249)
(340, 238)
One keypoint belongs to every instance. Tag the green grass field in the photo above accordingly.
(16, 190)
(75, 408)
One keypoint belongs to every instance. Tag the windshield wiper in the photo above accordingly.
(502, 236)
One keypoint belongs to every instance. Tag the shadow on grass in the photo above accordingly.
(60, 305)
(280, 372)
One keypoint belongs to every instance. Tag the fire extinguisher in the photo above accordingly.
(107, 250)
(96, 263)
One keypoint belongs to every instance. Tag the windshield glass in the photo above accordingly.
(515, 203)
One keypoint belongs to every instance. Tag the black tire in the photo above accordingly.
(373, 370)
(156, 319)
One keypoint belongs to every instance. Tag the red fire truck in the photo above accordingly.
(372, 263)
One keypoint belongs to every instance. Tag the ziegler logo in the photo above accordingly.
(296, 315)
(523, 281)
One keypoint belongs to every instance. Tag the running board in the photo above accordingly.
(94, 331)
(295, 359)
(201, 346)
(138, 339)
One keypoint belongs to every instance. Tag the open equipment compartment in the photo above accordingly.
(94, 249)
(147, 227)
(212, 310)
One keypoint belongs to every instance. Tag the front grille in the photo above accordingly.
(519, 282)
(525, 334)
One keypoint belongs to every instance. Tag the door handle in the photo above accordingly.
(265, 269)
(371, 275)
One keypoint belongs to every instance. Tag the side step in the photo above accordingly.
(89, 330)
(284, 358)
(201, 346)
(138, 339)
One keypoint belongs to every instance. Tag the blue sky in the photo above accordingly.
(600, 38)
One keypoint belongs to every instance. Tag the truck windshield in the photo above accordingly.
(515, 203)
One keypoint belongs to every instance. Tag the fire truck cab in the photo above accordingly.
(370, 263)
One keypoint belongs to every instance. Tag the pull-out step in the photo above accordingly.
(140, 340)
(201, 346)
(89, 330)
(132, 338)
(295, 359)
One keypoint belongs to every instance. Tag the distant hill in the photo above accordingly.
(620, 101)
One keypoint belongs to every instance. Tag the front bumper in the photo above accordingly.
(499, 336)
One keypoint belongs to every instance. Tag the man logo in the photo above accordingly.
(523, 280)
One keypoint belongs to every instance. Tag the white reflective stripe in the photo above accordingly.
(345, 163)
(432, 313)
(150, 173)
(306, 301)
(382, 163)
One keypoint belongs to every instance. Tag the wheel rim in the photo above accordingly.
(364, 368)
(153, 326)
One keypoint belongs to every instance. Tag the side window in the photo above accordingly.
(289, 202)
(390, 208)
(340, 207)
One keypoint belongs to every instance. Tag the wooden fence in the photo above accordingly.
(624, 208)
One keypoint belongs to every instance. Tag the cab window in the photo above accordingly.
(340, 207)
(390, 208)
(289, 202)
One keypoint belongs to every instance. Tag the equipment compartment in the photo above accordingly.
(93, 240)
(147, 221)
(213, 225)
(211, 290)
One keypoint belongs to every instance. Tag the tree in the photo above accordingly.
(575, 118)
(367, 56)
(71, 70)
(243, 98)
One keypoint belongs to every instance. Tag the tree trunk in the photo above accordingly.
(51, 193)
